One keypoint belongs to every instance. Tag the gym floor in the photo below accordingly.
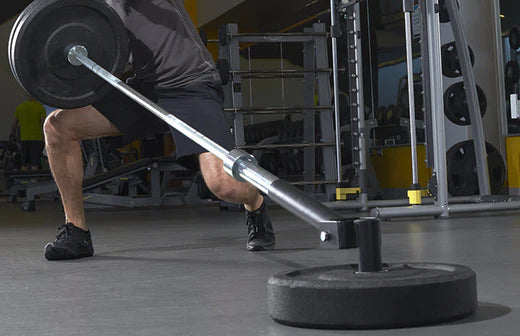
(184, 271)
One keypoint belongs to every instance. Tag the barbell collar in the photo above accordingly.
(233, 163)
(75, 51)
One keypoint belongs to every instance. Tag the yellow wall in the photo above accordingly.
(393, 166)
(513, 161)
(191, 7)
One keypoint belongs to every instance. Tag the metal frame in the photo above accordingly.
(442, 205)
(408, 6)
(358, 128)
(316, 74)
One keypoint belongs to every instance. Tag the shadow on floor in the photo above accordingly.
(485, 311)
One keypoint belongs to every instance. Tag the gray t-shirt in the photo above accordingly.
(166, 50)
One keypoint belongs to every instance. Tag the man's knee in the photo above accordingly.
(221, 185)
(56, 130)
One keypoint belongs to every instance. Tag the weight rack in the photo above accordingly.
(316, 74)
(441, 206)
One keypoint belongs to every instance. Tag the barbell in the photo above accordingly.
(52, 49)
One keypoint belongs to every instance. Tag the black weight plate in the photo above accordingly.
(456, 104)
(43, 33)
(402, 295)
(512, 71)
(514, 38)
(450, 60)
(462, 169)
(11, 45)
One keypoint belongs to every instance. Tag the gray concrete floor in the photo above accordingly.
(185, 271)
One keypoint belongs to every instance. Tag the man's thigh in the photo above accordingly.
(82, 123)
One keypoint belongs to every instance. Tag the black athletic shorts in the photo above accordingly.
(198, 105)
(31, 152)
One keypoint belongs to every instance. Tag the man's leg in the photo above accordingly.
(64, 129)
(225, 187)
(26, 154)
(36, 154)
(260, 231)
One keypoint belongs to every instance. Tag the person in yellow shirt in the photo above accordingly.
(29, 117)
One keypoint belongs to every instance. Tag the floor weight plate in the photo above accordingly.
(403, 295)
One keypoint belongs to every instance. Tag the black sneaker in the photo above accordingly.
(259, 229)
(71, 243)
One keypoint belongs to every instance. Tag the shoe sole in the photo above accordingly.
(55, 255)
(260, 248)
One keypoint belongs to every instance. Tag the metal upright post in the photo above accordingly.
(437, 104)
(231, 52)
(479, 139)
(335, 32)
(326, 119)
(425, 61)
(309, 120)
(352, 15)
(414, 194)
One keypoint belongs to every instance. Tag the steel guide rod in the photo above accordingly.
(408, 7)
(237, 163)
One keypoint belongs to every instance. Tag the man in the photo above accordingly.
(29, 117)
(172, 67)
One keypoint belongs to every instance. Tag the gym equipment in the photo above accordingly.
(36, 52)
(414, 194)
(316, 74)
(456, 104)
(462, 173)
(353, 41)
(450, 60)
(514, 38)
(458, 289)
(444, 17)
(512, 72)
(371, 294)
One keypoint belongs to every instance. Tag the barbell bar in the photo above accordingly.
(237, 163)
